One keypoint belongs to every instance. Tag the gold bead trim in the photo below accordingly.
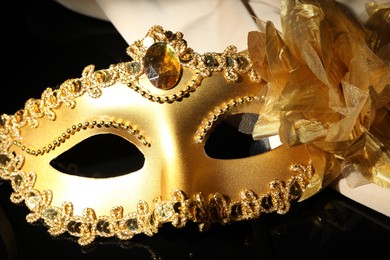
(231, 63)
(83, 126)
(147, 219)
(213, 116)
(179, 208)
(190, 87)
(203, 66)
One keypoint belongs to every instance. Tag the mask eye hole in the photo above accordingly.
(227, 142)
(100, 156)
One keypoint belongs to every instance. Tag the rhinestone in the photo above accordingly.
(132, 224)
(18, 180)
(101, 76)
(32, 202)
(75, 86)
(74, 227)
(49, 214)
(266, 202)
(229, 61)
(295, 189)
(164, 211)
(103, 226)
(162, 66)
(134, 67)
(169, 35)
(187, 56)
(210, 61)
(4, 159)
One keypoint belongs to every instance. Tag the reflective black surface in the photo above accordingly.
(45, 44)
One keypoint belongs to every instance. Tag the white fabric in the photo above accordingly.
(208, 25)
(84, 7)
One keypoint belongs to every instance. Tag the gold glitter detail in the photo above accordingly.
(86, 125)
(213, 116)
(147, 219)
(178, 209)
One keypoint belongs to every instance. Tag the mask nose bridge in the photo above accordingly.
(184, 160)
(179, 151)
(181, 156)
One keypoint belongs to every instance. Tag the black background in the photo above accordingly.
(43, 44)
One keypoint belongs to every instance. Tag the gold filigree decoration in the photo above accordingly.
(213, 116)
(84, 126)
(180, 208)
(147, 219)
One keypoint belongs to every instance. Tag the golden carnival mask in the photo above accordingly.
(166, 101)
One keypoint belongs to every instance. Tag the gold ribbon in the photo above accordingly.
(328, 87)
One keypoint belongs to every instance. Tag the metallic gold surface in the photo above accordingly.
(322, 85)
(170, 127)
(173, 161)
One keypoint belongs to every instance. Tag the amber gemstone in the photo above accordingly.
(162, 66)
